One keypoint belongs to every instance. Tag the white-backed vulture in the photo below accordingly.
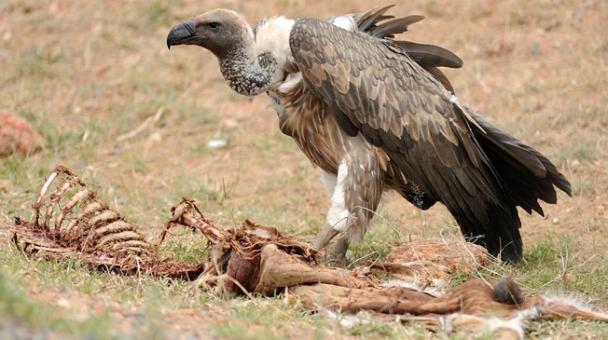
(374, 114)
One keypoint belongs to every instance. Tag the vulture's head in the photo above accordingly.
(251, 63)
(220, 31)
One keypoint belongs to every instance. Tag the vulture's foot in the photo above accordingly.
(324, 238)
(338, 255)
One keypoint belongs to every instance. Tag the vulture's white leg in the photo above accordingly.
(329, 182)
(355, 198)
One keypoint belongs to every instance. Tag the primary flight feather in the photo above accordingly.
(377, 114)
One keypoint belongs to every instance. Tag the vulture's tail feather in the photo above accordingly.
(499, 235)
(526, 176)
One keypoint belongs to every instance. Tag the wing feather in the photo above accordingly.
(374, 22)
(430, 55)
(395, 26)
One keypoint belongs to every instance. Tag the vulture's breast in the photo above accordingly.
(307, 120)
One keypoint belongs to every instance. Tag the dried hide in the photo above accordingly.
(430, 264)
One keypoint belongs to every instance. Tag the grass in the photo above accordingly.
(85, 73)
(29, 318)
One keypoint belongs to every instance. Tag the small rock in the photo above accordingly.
(217, 144)
(7, 36)
(17, 135)
(122, 201)
(535, 48)
(575, 163)
(555, 220)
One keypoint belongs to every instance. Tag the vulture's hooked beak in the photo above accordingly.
(181, 34)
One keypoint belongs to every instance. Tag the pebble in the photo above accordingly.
(535, 48)
(555, 220)
(217, 144)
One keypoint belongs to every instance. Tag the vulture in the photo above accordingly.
(375, 113)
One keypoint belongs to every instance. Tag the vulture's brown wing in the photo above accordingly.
(377, 24)
(397, 106)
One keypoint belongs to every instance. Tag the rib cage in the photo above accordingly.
(77, 218)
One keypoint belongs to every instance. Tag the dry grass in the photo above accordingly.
(85, 73)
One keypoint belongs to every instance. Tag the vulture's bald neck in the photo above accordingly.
(257, 62)
(245, 71)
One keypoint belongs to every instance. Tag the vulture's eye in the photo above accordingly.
(214, 26)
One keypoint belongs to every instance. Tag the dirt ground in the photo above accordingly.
(87, 75)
